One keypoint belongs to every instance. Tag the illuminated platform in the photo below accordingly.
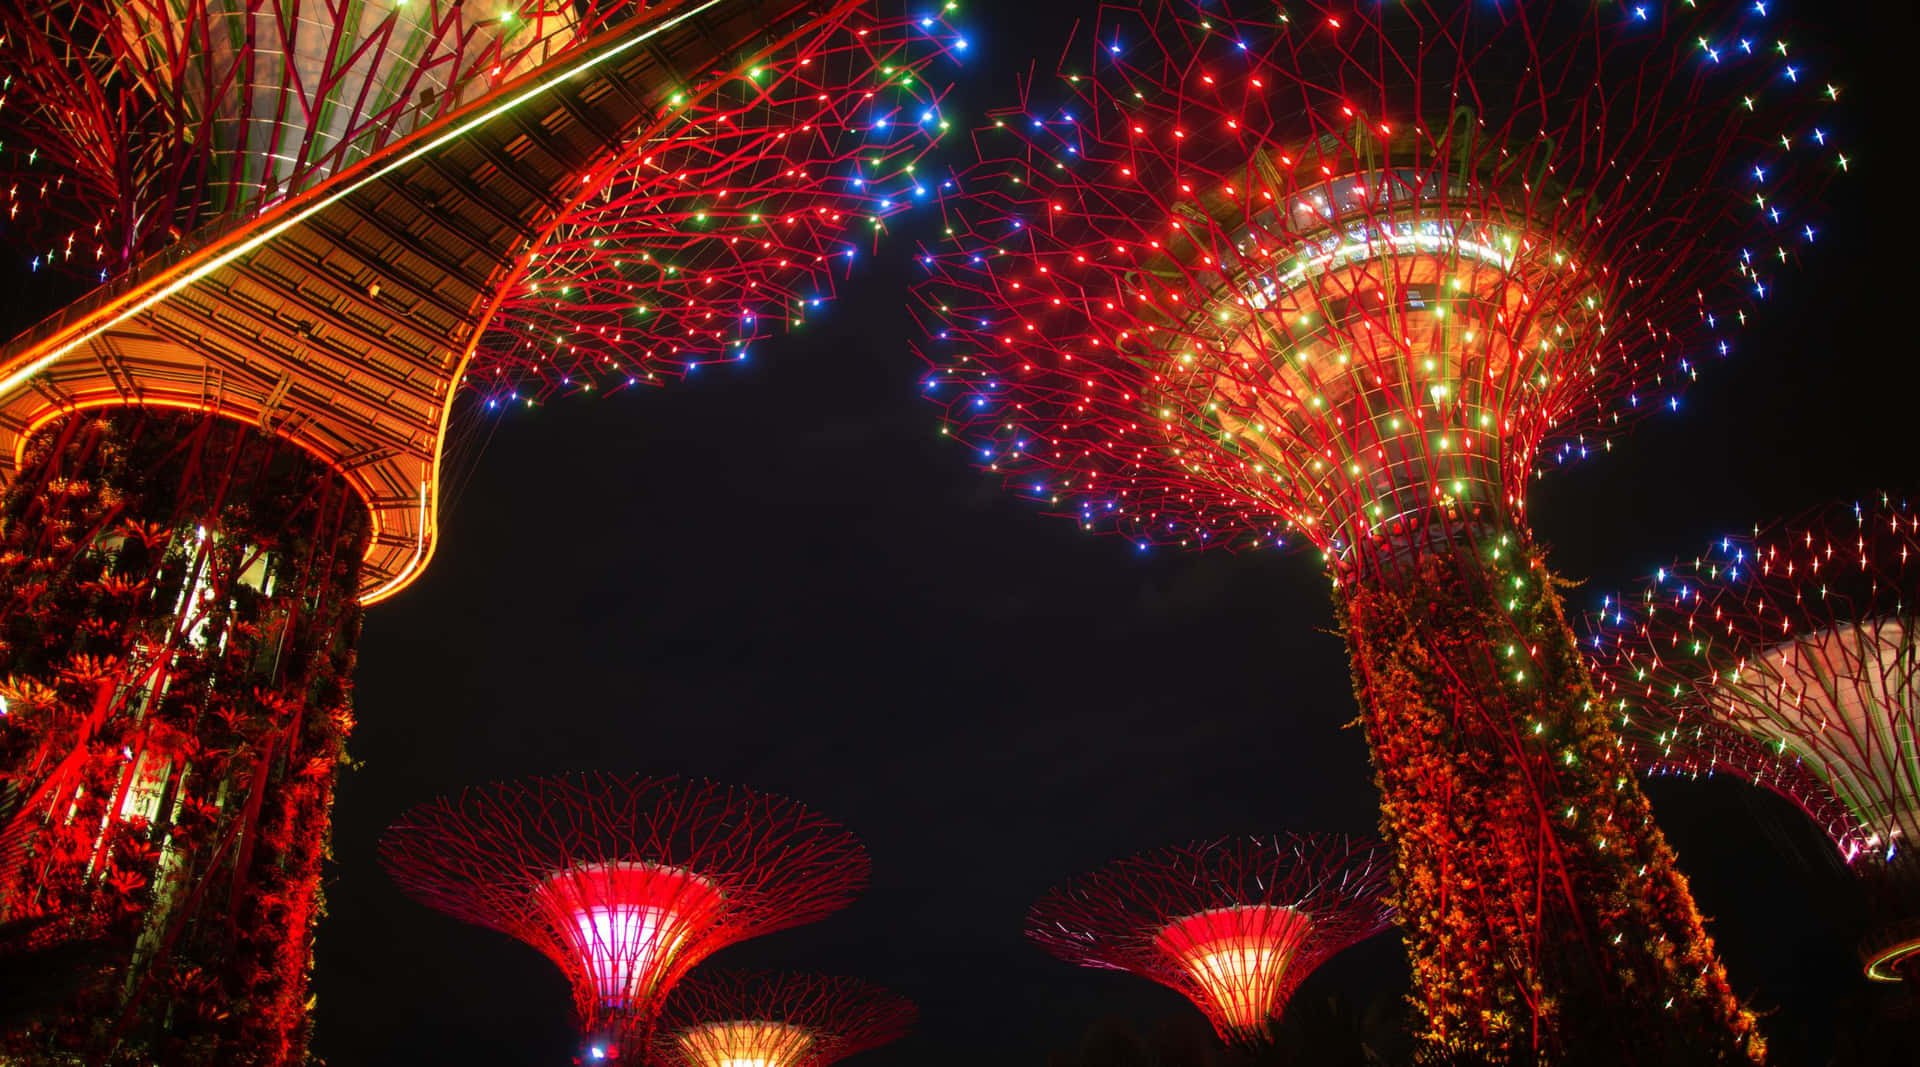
(343, 318)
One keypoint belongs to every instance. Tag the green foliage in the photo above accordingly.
(1541, 905)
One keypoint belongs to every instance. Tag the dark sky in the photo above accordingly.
(779, 575)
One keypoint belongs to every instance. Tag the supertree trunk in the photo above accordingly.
(177, 621)
(1541, 905)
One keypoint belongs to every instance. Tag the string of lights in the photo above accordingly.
(1786, 658)
(1348, 278)
(321, 189)
(1233, 925)
(624, 882)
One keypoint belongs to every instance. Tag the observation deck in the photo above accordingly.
(342, 318)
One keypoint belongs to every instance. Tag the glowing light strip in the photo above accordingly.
(1880, 968)
(25, 436)
(20, 377)
(1356, 251)
(419, 546)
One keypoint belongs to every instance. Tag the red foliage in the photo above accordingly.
(1348, 275)
(173, 760)
(1542, 906)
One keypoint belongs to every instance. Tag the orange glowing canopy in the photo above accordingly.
(745, 1043)
(1240, 959)
(626, 923)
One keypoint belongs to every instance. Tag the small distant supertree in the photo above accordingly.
(1788, 658)
(625, 882)
(1233, 925)
(726, 1018)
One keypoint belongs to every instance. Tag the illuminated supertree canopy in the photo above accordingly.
(313, 221)
(1347, 276)
(144, 117)
(726, 1018)
(625, 882)
(132, 122)
(690, 246)
(1787, 658)
(1234, 925)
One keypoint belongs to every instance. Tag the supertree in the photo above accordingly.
(1787, 658)
(775, 1020)
(1234, 925)
(624, 882)
(124, 132)
(1345, 275)
(315, 220)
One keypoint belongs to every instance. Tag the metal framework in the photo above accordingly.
(1787, 658)
(649, 198)
(624, 882)
(1234, 925)
(723, 1018)
(1347, 276)
(314, 221)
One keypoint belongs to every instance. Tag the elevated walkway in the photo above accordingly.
(342, 318)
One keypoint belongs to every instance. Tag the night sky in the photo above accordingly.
(780, 575)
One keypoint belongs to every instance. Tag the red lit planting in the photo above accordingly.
(625, 882)
(1787, 658)
(347, 208)
(1346, 276)
(178, 598)
(729, 1019)
(1234, 925)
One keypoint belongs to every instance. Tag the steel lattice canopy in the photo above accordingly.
(343, 318)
